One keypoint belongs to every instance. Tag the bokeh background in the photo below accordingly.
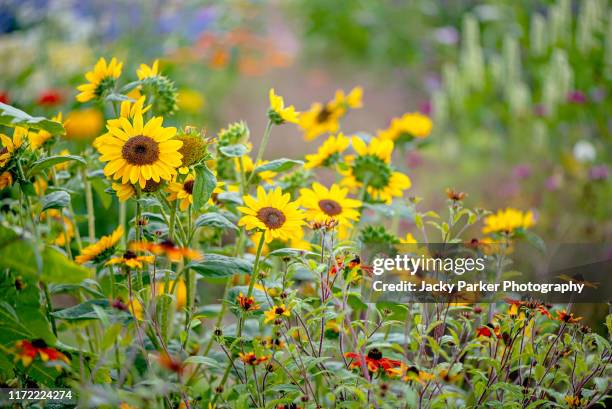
(519, 90)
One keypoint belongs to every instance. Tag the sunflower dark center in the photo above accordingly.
(140, 150)
(279, 310)
(271, 217)
(374, 353)
(3, 151)
(167, 244)
(39, 343)
(188, 186)
(129, 255)
(324, 115)
(330, 207)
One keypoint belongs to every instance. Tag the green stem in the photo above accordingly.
(256, 264)
(262, 148)
(91, 217)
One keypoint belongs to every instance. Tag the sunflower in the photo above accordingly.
(371, 166)
(278, 113)
(101, 79)
(507, 221)
(247, 303)
(124, 191)
(409, 126)
(37, 139)
(322, 118)
(182, 191)
(323, 204)
(273, 213)
(329, 152)
(102, 249)
(277, 311)
(168, 249)
(131, 260)
(11, 145)
(144, 71)
(374, 361)
(137, 152)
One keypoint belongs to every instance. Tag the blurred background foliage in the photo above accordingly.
(519, 90)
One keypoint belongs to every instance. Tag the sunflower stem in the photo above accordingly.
(91, 218)
(262, 148)
(256, 264)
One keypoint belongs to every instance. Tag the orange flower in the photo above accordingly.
(247, 303)
(374, 361)
(168, 249)
(487, 331)
(566, 317)
(251, 359)
(412, 373)
(171, 363)
(131, 260)
(26, 351)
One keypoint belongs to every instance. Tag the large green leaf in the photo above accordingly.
(56, 200)
(219, 266)
(234, 151)
(216, 220)
(11, 116)
(279, 165)
(49, 161)
(56, 267)
(83, 311)
(204, 184)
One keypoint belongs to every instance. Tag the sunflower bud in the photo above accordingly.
(238, 132)
(194, 146)
(162, 92)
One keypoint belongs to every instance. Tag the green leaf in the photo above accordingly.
(219, 266)
(202, 360)
(291, 252)
(83, 311)
(204, 184)
(57, 268)
(230, 197)
(234, 151)
(117, 97)
(56, 200)
(49, 161)
(279, 165)
(11, 116)
(216, 220)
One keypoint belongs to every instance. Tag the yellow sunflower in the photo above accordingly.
(507, 221)
(329, 152)
(409, 126)
(324, 204)
(131, 260)
(182, 191)
(371, 166)
(101, 79)
(11, 145)
(278, 113)
(6, 180)
(137, 152)
(323, 118)
(101, 250)
(37, 139)
(277, 311)
(127, 110)
(144, 71)
(274, 213)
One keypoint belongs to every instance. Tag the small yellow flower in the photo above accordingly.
(323, 118)
(278, 113)
(250, 358)
(6, 180)
(323, 204)
(180, 292)
(124, 191)
(131, 260)
(101, 250)
(101, 79)
(274, 213)
(507, 221)
(277, 311)
(147, 72)
(329, 152)
(408, 126)
(182, 191)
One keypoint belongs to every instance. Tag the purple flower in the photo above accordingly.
(576, 97)
(522, 171)
(426, 108)
(599, 172)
